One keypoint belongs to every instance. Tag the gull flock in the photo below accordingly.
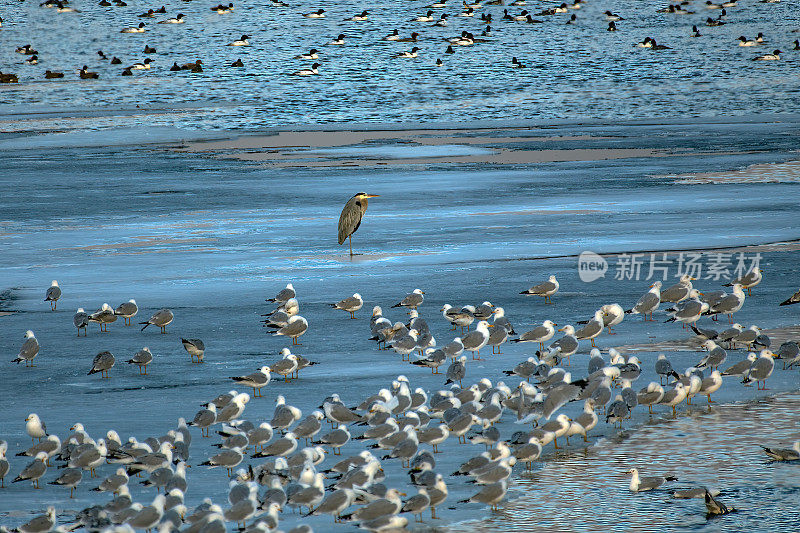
(339, 460)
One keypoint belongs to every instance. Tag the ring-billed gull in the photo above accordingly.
(29, 349)
(257, 380)
(103, 362)
(351, 304)
(336, 439)
(234, 409)
(103, 316)
(641, 484)
(557, 427)
(386, 506)
(228, 459)
(748, 336)
(454, 348)
(675, 396)
(205, 418)
(35, 428)
(161, 318)
(142, 358)
(34, 470)
(4, 464)
(113, 482)
(286, 366)
(284, 295)
(749, 280)
(456, 371)
(148, 516)
(664, 368)
(412, 300)
(127, 310)
(40, 524)
(294, 328)
(336, 502)
(650, 395)
(539, 334)
(284, 415)
(689, 311)
(477, 339)
(592, 329)
(546, 289)
(80, 320)
(711, 384)
(760, 370)
(490, 494)
(196, 349)
(648, 303)
(434, 359)
(716, 355)
(310, 426)
(53, 294)
(68, 478)
(728, 304)
(678, 292)
(417, 504)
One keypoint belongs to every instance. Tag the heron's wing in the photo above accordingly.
(350, 219)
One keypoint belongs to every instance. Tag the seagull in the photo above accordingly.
(127, 311)
(477, 339)
(35, 427)
(257, 380)
(592, 329)
(142, 358)
(103, 362)
(161, 318)
(80, 320)
(103, 316)
(646, 483)
(412, 300)
(53, 294)
(649, 302)
(784, 454)
(294, 328)
(546, 289)
(29, 350)
(284, 295)
(490, 494)
(715, 507)
(196, 349)
(540, 334)
(350, 304)
(760, 370)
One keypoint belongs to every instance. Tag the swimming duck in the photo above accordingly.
(237, 63)
(144, 65)
(241, 42)
(424, 18)
(774, 56)
(86, 75)
(308, 71)
(52, 75)
(364, 15)
(149, 50)
(409, 54)
(137, 29)
(318, 14)
(411, 39)
(339, 41)
(32, 60)
(516, 64)
(612, 17)
(312, 54)
(178, 19)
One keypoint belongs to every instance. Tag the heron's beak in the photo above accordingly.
(372, 195)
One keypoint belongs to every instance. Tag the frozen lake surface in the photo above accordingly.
(211, 235)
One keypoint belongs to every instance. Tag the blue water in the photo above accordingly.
(576, 71)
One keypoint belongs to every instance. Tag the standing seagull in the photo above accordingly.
(161, 318)
(350, 219)
(29, 349)
(52, 295)
(351, 304)
(546, 289)
(127, 310)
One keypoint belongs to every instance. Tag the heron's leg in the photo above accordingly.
(350, 238)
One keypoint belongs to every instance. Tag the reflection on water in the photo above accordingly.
(585, 491)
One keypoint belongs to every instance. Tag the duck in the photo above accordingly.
(487, 32)
(86, 75)
(507, 16)
(576, 5)
(439, 62)
(743, 41)
(127, 71)
(279, 3)
(52, 75)
(437, 4)
(760, 38)
(102, 55)
(530, 20)
(192, 65)
(161, 10)
(796, 45)
(312, 54)
(144, 65)
(712, 5)
(364, 15)
(178, 19)
(149, 49)
(339, 41)
(563, 8)
(774, 56)
(32, 60)
(442, 20)
(8, 77)
(105, 3)
(318, 14)
(222, 10)
(450, 50)
(136, 29)
(572, 20)
(612, 17)
(175, 67)
(657, 46)
(516, 64)
(27, 50)
(411, 39)
(394, 36)
(486, 17)
(523, 15)
(712, 22)
(612, 26)
(241, 42)
(61, 8)
(695, 32)
(116, 61)
(148, 14)
(466, 40)
(409, 54)
(424, 18)
(314, 70)
(469, 12)
(237, 63)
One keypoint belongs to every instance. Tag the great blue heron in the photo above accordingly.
(350, 219)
